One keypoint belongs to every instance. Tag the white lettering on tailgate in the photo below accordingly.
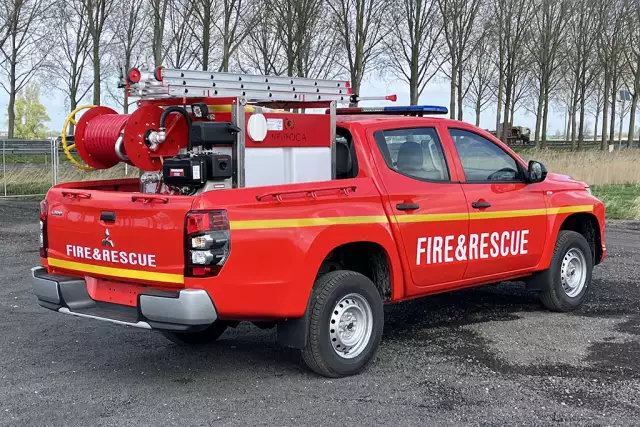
(111, 256)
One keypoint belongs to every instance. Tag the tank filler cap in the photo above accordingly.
(257, 127)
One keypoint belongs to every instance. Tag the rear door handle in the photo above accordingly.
(407, 206)
(480, 205)
(108, 216)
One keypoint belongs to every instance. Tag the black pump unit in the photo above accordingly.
(208, 134)
(185, 171)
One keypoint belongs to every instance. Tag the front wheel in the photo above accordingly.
(569, 274)
(345, 324)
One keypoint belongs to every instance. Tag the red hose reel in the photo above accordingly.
(103, 138)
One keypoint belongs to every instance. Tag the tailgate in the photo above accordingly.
(125, 236)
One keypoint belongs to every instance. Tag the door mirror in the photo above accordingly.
(537, 171)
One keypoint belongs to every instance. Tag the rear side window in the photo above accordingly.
(416, 153)
(482, 160)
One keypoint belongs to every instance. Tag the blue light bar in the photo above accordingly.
(408, 110)
(425, 109)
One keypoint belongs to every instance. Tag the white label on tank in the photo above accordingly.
(274, 124)
(195, 172)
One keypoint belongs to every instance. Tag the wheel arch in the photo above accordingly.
(586, 224)
(365, 257)
(331, 247)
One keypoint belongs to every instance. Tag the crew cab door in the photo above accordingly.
(507, 217)
(428, 209)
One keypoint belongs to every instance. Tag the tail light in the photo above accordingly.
(207, 243)
(44, 207)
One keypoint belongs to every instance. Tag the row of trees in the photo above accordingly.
(513, 55)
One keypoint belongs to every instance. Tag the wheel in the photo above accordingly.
(569, 274)
(203, 337)
(345, 324)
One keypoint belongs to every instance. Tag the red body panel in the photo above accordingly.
(277, 246)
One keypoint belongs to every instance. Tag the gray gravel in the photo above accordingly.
(488, 356)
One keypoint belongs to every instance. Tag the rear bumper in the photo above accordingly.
(187, 309)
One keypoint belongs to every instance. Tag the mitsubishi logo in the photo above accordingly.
(107, 239)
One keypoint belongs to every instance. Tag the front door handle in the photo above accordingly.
(407, 206)
(480, 205)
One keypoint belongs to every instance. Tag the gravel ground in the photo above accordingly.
(488, 356)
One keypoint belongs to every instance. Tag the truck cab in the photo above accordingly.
(413, 205)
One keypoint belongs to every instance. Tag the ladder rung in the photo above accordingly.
(253, 95)
(168, 73)
(250, 86)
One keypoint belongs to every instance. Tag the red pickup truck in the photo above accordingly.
(419, 205)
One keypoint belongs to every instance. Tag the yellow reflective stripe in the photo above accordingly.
(508, 214)
(432, 217)
(253, 224)
(116, 272)
(570, 209)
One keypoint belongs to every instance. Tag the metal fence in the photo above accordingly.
(30, 168)
(588, 144)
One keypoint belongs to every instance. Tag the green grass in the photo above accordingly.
(25, 188)
(622, 201)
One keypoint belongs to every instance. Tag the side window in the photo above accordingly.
(416, 153)
(482, 160)
(346, 160)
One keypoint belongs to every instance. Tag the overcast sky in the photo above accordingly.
(436, 93)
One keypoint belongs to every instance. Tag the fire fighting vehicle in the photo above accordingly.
(308, 222)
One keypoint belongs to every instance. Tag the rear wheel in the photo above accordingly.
(345, 324)
(569, 274)
(203, 337)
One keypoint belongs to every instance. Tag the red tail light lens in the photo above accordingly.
(44, 208)
(207, 243)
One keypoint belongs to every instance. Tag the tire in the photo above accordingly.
(190, 339)
(351, 302)
(564, 291)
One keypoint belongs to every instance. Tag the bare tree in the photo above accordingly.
(262, 51)
(179, 48)
(360, 29)
(158, 20)
(512, 21)
(461, 35)
(204, 15)
(521, 91)
(595, 104)
(25, 50)
(548, 32)
(296, 24)
(70, 75)
(237, 20)
(98, 12)
(479, 76)
(130, 25)
(581, 58)
(632, 55)
(4, 24)
(414, 49)
(320, 53)
(610, 37)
